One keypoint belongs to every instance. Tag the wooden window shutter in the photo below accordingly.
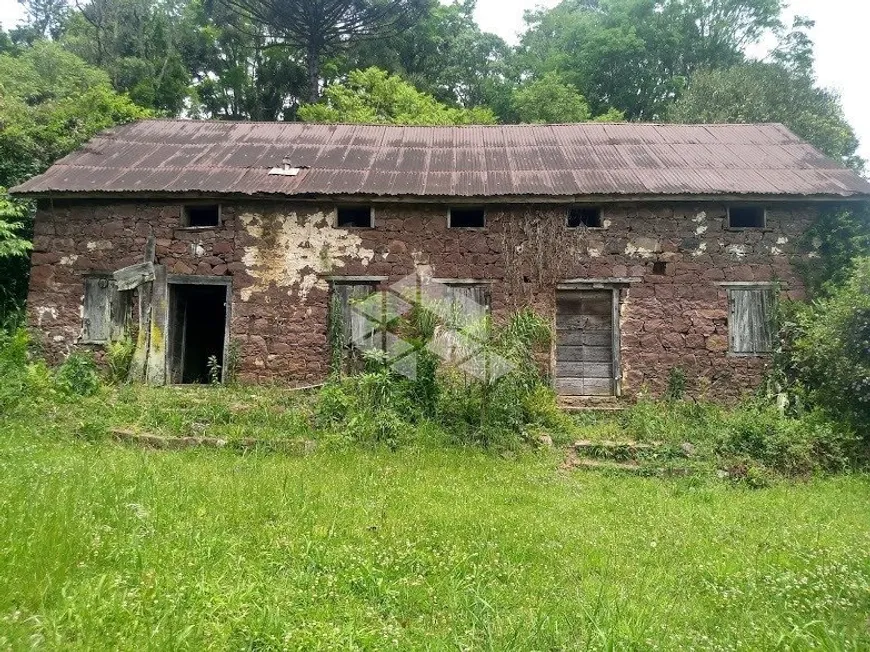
(751, 320)
(97, 325)
(357, 331)
(463, 302)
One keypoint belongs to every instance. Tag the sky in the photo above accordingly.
(840, 35)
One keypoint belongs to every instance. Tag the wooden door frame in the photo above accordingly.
(193, 279)
(615, 286)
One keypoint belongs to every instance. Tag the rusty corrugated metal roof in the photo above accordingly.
(208, 157)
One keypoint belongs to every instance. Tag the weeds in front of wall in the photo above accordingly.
(231, 362)
(382, 406)
(119, 357)
(441, 405)
(214, 370)
(676, 389)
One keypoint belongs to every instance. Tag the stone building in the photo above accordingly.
(651, 247)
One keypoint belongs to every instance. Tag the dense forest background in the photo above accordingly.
(78, 66)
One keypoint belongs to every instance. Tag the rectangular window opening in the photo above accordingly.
(660, 268)
(467, 218)
(198, 216)
(354, 217)
(750, 320)
(468, 303)
(746, 217)
(354, 329)
(584, 216)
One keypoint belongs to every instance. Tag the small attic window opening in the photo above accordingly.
(467, 218)
(746, 217)
(584, 216)
(197, 216)
(354, 217)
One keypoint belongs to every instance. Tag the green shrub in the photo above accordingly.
(791, 446)
(22, 380)
(382, 406)
(119, 356)
(332, 406)
(78, 375)
(830, 355)
(676, 389)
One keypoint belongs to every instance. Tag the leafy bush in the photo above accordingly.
(13, 367)
(119, 356)
(78, 375)
(791, 446)
(830, 355)
(486, 409)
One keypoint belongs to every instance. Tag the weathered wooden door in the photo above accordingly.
(585, 341)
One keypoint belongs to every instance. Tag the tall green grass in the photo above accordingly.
(104, 547)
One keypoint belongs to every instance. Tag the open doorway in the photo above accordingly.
(198, 317)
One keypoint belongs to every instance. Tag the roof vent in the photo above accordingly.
(286, 170)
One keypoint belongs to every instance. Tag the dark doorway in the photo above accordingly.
(197, 332)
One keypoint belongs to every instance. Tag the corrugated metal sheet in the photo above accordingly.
(186, 156)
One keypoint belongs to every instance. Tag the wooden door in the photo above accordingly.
(585, 337)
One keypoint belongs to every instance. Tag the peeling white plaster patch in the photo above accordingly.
(813, 254)
(738, 251)
(701, 250)
(196, 249)
(294, 252)
(594, 253)
(58, 338)
(776, 251)
(642, 247)
(700, 217)
(701, 229)
(42, 311)
(421, 264)
(69, 260)
(606, 224)
(100, 245)
(782, 241)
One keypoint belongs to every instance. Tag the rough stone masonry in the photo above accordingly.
(281, 253)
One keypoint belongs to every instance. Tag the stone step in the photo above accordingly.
(592, 403)
(628, 467)
(592, 408)
(587, 464)
(630, 450)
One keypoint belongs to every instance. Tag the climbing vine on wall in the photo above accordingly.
(539, 252)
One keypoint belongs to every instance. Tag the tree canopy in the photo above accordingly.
(50, 103)
(374, 96)
(75, 67)
(549, 99)
(767, 92)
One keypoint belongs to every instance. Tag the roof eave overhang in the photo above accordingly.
(446, 199)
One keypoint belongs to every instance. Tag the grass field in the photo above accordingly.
(104, 546)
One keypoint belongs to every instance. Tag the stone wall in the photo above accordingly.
(280, 253)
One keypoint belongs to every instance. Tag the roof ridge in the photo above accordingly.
(524, 125)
